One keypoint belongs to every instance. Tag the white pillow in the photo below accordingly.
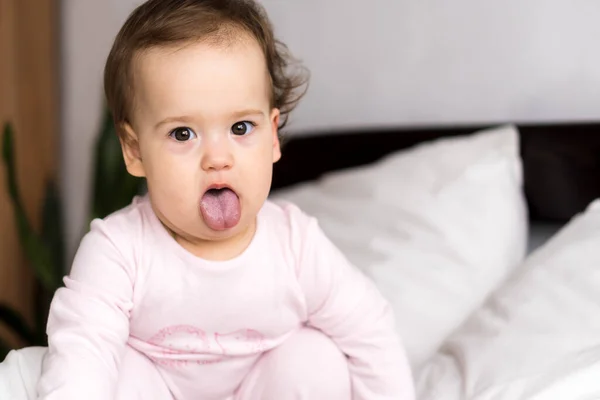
(538, 336)
(437, 227)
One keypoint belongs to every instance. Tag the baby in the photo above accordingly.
(205, 289)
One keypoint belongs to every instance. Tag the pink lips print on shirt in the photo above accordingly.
(241, 342)
(178, 342)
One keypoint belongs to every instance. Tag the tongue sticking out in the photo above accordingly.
(220, 209)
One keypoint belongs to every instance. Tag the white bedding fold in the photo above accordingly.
(20, 372)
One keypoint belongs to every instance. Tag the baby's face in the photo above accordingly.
(203, 121)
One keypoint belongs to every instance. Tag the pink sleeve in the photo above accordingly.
(88, 325)
(347, 306)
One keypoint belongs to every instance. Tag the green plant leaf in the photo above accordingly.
(39, 255)
(53, 231)
(53, 237)
(16, 323)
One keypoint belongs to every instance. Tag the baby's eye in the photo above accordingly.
(182, 134)
(242, 128)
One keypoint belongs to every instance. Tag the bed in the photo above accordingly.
(485, 240)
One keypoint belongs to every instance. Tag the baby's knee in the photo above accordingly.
(308, 365)
(312, 362)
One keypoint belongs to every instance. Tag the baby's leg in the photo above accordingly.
(307, 366)
(139, 379)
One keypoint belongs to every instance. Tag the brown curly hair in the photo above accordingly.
(173, 22)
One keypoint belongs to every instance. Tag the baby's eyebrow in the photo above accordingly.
(246, 113)
(184, 118)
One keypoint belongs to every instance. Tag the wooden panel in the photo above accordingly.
(28, 98)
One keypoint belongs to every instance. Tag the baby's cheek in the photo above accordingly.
(174, 187)
(172, 169)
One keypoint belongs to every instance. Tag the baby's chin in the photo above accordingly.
(206, 233)
(197, 230)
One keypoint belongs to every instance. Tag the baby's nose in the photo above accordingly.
(217, 155)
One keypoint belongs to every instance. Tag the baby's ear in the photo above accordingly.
(130, 146)
(274, 117)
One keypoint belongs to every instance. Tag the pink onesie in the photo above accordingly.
(140, 314)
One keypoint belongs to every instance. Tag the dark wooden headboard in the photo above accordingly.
(561, 161)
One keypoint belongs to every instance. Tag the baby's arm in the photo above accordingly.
(347, 307)
(88, 325)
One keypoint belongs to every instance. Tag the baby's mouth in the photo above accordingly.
(220, 208)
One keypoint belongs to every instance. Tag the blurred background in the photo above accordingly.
(374, 64)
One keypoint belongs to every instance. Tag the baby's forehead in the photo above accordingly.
(242, 57)
(203, 76)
